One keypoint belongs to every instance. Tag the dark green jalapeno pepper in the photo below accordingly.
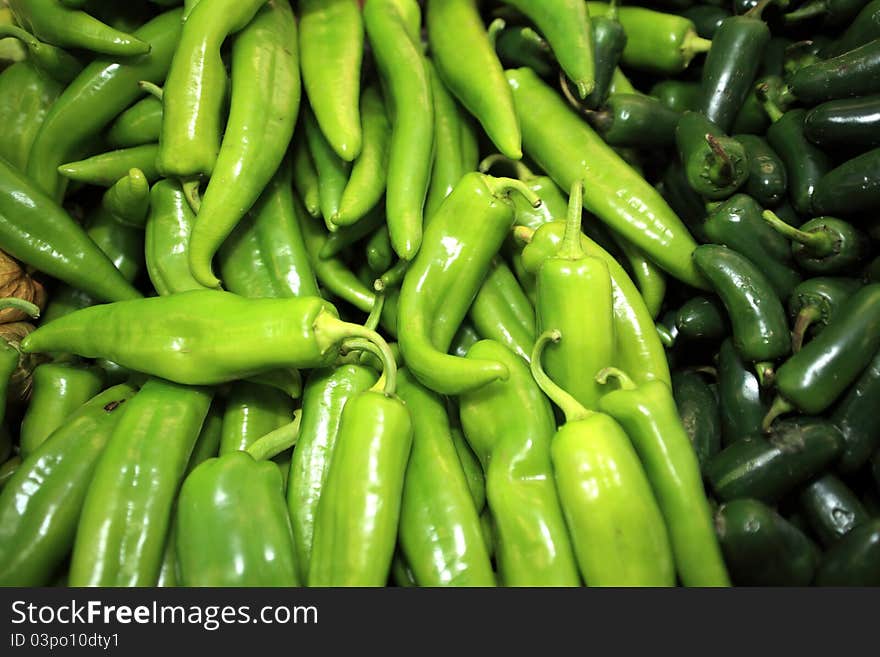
(761, 548)
(678, 95)
(831, 509)
(510, 425)
(107, 168)
(823, 245)
(767, 182)
(59, 389)
(683, 200)
(40, 504)
(701, 318)
(739, 396)
(757, 318)
(442, 281)
(519, 45)
(609, 41)
(715, 165)
(737, 224)
(138, 125)
(854, 186)
(615, 523)
(817, 375)
(857, 418)
(125, 516)
(635, 120)
(649, 416)
(440, 533)
(864, 27)
(854, 560)
(815, 302)
(769, 467)
(698, 408)
(853, 73)
(851, 122)
(26, 96)
(706, 18)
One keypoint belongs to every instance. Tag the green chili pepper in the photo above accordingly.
(138, 125)
(851, 122)
(501, 311)
(26, 96)
(856, 417)
(569, 150)
(854, 560)
(174, 337)
(340, 240)
(54, 23)
(678, 95)
(853, 186)
(768, 468)
(739, 396)
(510, 425)
(831, 509)
(442, 281)
(455, 27)
(706, 18)
(440, 533)
(106, 169)
(650, 279)
(700, 416)
(332, 47)
(521, 46)
(326, 393)
(852, 73)
(761, 548)
(40, 504)
(635, 120)
(683, 200)
(128, 200)
(366, 185)
(757, 318)
(59, 389)
(649, 416)
(701, 318)
(393, 27)
(232, 525)
(615, 524)
(39, 232)
(656, 42)
(554, 205)
(125, 515)
(767, 182)
(716, 165)
(265, 102)
(864, 27)
(252, 411)
(834, 12)
(815, 302)
(333, 172)
(823, 245)
(55, 62)
(95, 98)
(305, 177)
(609, 41)
(208, 443)
(379, 252)
(817, 375)
(564, 281)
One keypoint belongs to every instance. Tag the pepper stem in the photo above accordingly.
(191, 193)
(571, 248)
(762, 90)
(523, 235)
(666, 337)
(802, 322)
(375, 312)
(819, 243)
(153, 89)
(495, 28)
(570, 406)
(28, 308)
(766, 373)
(391, 278)
(692, 45)
(623, 379)
(779, 407)
(277, 441)
(565, 87)
(612, 12)
(520, 170)
(725, 168)
(505, 186)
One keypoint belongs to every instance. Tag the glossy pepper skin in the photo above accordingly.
(332, 171)
(739, 396)
(194, 91)
(105, 169)
(701, 318)
(814, 303)
(510, 425)
(677, 95)
(126, 516)
(635, 120)
(758, 321)
(864, 27)
(175, 337)
(59, 389)
(700, 416)
(832, 510)
(569, 150)
(52, 22)
(439, 527)
(609, 40)
(40, 504)
(853, 73)
(393, 27)
(857, 419)
(251, 411)
(767, 182)
(650, 418)
(824, 245)
(570, 280)
(501, 311)
(854, 560)
(332, 48)
(232, 525)
(138, 125)
(26, 96)
(761, 548)
(850, 122)
(854, 186)
(357, 517)
(478, 79)
(715, 164)
(264, 106)
(813, 378)
(128, 200)
(55, 62)
(36, 230)
(443, 280)
(326, 393)
(613, 519)
(96, 97)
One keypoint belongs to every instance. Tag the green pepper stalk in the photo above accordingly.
(823, 245)
(54, 61)
(650, 418)
(553, 207)
(815, 302)
(615, 524)
(715, 164)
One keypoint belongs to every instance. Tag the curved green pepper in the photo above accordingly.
(715, 164)
(853, 73)
(815, 302)
(26, 96)
(823, 245)
(138, 125)
(635, 120)
(105, 169)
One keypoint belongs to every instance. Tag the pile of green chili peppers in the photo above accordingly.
(443, 293)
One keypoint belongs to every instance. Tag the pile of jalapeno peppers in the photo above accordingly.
(443, 293)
